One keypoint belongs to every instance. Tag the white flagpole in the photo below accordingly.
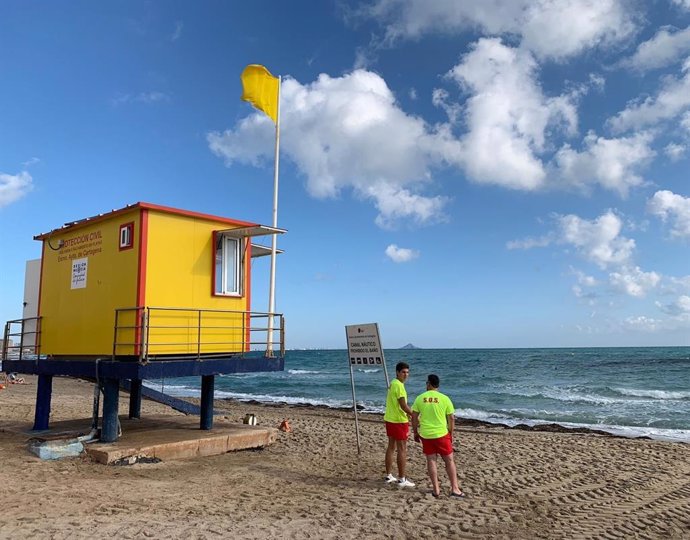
(271, 290)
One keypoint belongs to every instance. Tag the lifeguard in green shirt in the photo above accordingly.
(433, 421)
(397, 418)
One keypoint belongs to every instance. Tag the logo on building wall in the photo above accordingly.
(79, 268)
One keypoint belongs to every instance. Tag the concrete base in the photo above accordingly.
(164, 437)
(56, 449)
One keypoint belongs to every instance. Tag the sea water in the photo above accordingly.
(626, 391)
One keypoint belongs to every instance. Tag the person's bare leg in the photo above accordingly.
(452, 473)
(433, 473)
(402, 457)
(390, 452)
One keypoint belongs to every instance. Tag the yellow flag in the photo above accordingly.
(260, 88)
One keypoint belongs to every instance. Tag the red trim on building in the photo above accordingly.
(213, 263)
(144, 206)
(141, 271)
(198, 215)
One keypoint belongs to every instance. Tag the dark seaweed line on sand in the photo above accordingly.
(463, 422)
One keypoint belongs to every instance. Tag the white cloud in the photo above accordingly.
(678, 307)
(614, 164)
(348, 133)
(179, 25)
(685, 121)
(676, 208)
(676, 285)
(666, 47)
(142, 97)
(529, 243)
(14, 187)
(507, 116)
(675, 151)
(441, 98)
(671, 101)
(396, 204)
(596, 81)
(634, 281)
(683, 4)
(583, 288)
(550, 28)
(401, 255)
(643, 323)
(598, 241)
(587, 281)
(30, 162)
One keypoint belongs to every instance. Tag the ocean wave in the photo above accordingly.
(366, 406)
(302, 372)
(654, 394)
(368, 370)
(168, 388)
(476, 414)
(663, 434)
(617, 395)
(566, 395)
(576, 396)
(509, 418)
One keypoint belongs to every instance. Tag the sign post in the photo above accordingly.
(363, 349)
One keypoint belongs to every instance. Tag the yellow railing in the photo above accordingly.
(152, 332)
(29, 338)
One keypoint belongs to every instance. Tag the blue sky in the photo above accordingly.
(509, 173)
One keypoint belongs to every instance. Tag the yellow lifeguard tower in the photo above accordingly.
(146, 291)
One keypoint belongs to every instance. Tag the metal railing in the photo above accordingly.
(29, 338)
(171, 332)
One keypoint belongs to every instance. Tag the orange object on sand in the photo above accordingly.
(285, 426)
(2, 386)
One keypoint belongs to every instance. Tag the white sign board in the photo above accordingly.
(364, 344)
(79, 268)
(363, 348)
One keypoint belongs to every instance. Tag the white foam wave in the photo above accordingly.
(475, 414)
(674, 435)
(655, 394)
(173, 389)
(302, 372)
(368, 370)
(573, 396)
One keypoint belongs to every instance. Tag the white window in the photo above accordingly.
(126, 236)
(228, 266)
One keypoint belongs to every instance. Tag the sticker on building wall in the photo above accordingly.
(79, 268)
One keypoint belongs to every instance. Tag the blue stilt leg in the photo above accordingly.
(135, 398)
(207, 383)
(44, 392)
(111, 394)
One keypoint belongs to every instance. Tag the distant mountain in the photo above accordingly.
(410, 346)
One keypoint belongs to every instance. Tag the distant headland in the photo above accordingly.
(410, 346)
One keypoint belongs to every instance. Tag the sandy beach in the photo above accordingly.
(311, 483)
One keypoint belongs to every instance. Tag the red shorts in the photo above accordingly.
(397, 430)
(442, 446)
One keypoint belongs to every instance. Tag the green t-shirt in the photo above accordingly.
(433, 408)
(394, 413)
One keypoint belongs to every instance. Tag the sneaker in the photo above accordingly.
(404, 482)
(389, 478)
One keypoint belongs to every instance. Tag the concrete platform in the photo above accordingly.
(162, 437)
